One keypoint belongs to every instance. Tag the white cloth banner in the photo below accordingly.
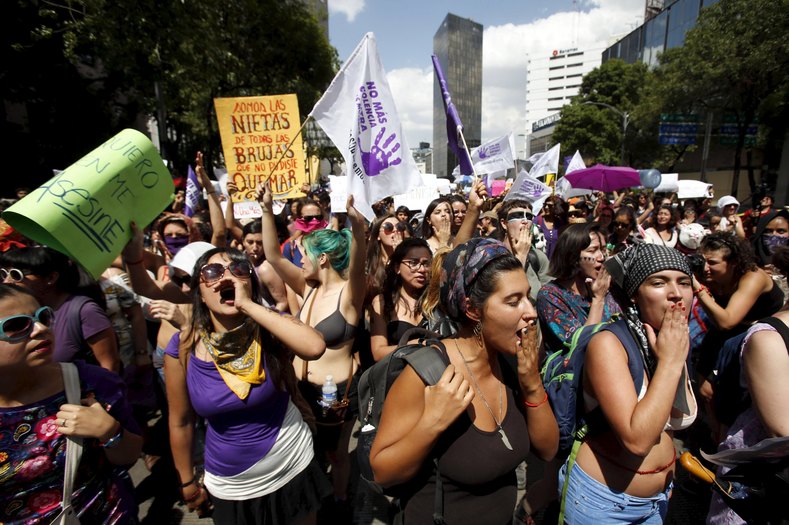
(669, 183)
(492, 156)
(530, 189)
(564, 189)
(339, 193)
(547, 163)
(358, 114)
(693, 189)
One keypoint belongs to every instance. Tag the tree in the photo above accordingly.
(597, 131)
(126, 59)
(735, 61)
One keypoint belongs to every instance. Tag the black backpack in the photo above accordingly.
(427, 356)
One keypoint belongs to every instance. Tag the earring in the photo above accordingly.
(478, 333)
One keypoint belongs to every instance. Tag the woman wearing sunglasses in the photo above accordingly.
(82, 328)
(233, 368)
(36, 419)
(624, 230)
(310, 219)
(331, 285)
(397, 308)
(385, 234)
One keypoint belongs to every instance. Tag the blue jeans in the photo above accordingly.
(589, 501)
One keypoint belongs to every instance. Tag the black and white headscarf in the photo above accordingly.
(630, 268)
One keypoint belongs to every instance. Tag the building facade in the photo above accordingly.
(458, 46)
(552, 80)
(423, 156)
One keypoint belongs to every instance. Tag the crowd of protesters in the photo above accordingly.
(229, 331)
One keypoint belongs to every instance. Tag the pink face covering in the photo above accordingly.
(309, 227)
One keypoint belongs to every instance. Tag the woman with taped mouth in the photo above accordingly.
(635, 393)
(331, 285)
(453, 447)
(233, 369)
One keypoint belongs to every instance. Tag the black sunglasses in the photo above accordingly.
(618, 224)
(211, 273)
(19, 327)
(520, 216)
(388, 227)
(308, 218)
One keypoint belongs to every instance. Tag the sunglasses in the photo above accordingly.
(576, 214)
(621, 225)
(178, 279)
(211, 273)
(309, 218)
(15, 274)
(520, 216)
(388, 227)
(19, 327)
(416, 264)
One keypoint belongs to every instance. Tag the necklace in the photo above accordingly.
(504, 438)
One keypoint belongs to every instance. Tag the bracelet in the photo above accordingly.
(702, 289)
(535, 405)
(131, 263)
(114, 440)
(184, 485)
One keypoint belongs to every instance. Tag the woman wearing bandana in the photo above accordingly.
(771, 232)
(485, 413)
(635, 393)
(233, 368)
(310, 219)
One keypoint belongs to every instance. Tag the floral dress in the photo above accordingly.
(33, 459)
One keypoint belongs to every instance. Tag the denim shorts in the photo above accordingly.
(589, 501)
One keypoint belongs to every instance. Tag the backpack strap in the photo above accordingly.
(566, 484)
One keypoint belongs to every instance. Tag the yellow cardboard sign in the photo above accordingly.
(85, 211)
(255, 134)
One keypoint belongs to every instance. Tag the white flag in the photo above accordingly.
(529, 189)
(358, 114)
(547, 163)
(564, 189)
(494, 155)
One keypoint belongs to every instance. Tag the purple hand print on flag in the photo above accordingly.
(378, 158)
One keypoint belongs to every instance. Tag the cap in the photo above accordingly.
(726, 200)
(187, 256)
(489, 215)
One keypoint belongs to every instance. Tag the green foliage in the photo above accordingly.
(98, 63)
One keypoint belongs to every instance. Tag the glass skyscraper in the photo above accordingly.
(458, 46)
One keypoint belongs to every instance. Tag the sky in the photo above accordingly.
(513, 30)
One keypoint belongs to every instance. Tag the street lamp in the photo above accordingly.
(625, 120)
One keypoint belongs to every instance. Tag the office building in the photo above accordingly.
(552, 80)
(423, 156)
(458, 46)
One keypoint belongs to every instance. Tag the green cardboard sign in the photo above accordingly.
(85, 211)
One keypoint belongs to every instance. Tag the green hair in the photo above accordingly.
(336, 245)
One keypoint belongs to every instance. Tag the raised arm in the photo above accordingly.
(289, 272)
(231, 224)
(357, 283)
(476, 198)
(140, 280)
(638, 424)
(219, 237)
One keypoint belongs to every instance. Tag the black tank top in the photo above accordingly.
(477, 471)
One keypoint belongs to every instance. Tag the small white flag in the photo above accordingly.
(492, 156)
(547, 163)
(564, 189)
(529, 189)
(358, 114)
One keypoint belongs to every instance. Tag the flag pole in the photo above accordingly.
(287, 149)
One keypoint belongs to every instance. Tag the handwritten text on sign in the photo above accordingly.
(255, 135)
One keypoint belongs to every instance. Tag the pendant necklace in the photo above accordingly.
(504, 438)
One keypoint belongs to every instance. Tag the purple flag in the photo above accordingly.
(454, 126)
(192, 193)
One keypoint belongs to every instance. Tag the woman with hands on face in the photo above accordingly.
(437, 226)
(483, 406)
(233, 368)
(637, 376)
(36, 418)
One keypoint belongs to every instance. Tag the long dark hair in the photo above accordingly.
(393, 282)
(573, 240)
(427, 229)
(201, 319)
(374, 267)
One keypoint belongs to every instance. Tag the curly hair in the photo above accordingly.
(737, 252)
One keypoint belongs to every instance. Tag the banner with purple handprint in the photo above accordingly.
(192, 193)
(358, 114)
(492, 156)
(530, 189)
(454, 126)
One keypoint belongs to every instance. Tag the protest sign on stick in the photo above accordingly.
(85, 211)
(261, 141)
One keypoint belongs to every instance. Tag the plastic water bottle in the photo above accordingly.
(329, 390)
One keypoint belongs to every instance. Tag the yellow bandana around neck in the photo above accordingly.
(238, 356)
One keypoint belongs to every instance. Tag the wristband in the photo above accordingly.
(535, 405)
(114, 440)
(184, 485)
